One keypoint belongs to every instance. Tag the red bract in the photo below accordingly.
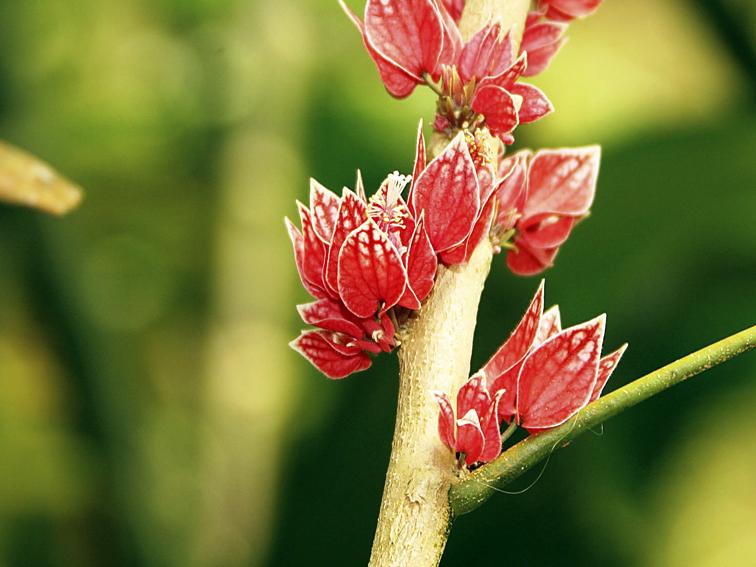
(475, 430)
(566, 10)
(455, 191)
(540, 377)
(407, 39)
(550, 192)
(541, 40)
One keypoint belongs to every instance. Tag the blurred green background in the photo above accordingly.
(150, 410)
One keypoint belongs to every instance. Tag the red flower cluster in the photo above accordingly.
(365, 260)
(369, 262)
(540, 377)
(418, 42)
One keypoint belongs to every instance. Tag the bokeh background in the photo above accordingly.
(150, 410)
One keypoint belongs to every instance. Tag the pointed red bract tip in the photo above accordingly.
(605, 370)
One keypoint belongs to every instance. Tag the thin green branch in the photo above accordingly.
(467, 495)
(432, 84)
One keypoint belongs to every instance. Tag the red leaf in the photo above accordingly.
(487, 54)
(324, 206)
(445, 421)
(297, 241)
(473, 395)
(557, 379)
(398, 82)
(371, 275)
(563, 181)
(330, 315)
(535, 104)
(511, 193)
(463, 252)
(519, 343)
(419, 164)
(570, 9)
(546, 231)
(315, 348)
(448, 192)
(452, 43)
(491, 431)
(507, 78)
(408, 33)
(541, 41)
(352, 213)
(454, 8)
(527, 261)
(421, 264)
(498, 107)
(551, 324)
(470, 438)
(605, 370)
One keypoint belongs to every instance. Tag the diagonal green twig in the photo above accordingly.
(467, 495)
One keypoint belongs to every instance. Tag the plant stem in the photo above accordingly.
(509, 431)
(467, 495)
(435, 355)
(414, 520)
(432, 84)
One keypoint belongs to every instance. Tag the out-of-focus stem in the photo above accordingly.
(467, 495)
(415, 514)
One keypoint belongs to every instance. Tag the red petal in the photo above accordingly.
(331, 315)
(546, 231)
(297, 241)
(409, 33)
(572, 8)
(325, 209)
(371, 275)
(557, 378)
(519, 343)
(534, 106)
(491, 431)
(421, 263)
(507, 78)
(445, 420)
(419, 164)
(452, 43)
(487, 54)
(470, 437)
(563, 181)
(398, 82)
(527, 261)
(511, 193)
(541, 42)
(498, 107)
(352, 213)
(463, 252)
(473, 395)
(448, 192)
(551, 324)
(605, 370)
(454, 8)
(315, 348)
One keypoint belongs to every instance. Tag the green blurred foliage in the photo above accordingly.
(150, 412)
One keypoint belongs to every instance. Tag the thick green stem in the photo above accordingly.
(467, 495)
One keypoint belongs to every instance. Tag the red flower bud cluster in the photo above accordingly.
(540, 377)
(415, 42)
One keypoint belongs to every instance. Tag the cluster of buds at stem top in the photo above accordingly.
(419, 42)
(538, 379)
(370, 263)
